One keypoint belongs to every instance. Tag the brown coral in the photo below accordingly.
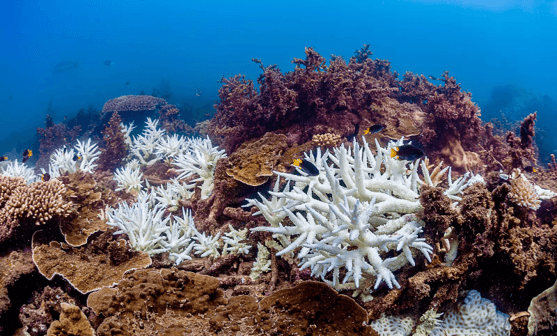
(253, 163)
(72, 322)
(90, 195)
(37, 315)
(12, 266)
(114, 149)
(543, 313)
(147, 300)
(101, 262)
(36, 203)
(326, 140)
(39, 202)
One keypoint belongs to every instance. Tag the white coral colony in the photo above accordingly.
(357, 209)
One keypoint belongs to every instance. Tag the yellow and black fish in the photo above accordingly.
(75, 157)
(45, 177)
(406, 152)
(530, 169)
(3, 158)
(26, 155)
(374, 129)
(306, 166)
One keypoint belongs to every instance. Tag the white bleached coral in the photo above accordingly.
(358, 208)
(15, 169)
(144, 145)
(142, 221)
(88, 153)
(200, 160)
(128, 179)
(476, 316)
(82, 156)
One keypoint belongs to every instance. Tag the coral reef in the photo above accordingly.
(72, 322)
(31, 205)
(162, 233)
(114, 150)
(12, 267)
(312, 99)
(54, 136)
(168, 116)
(37, 315)
(254, 161)
(133, 103)
(100, 263)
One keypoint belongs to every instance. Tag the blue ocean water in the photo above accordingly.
(54, 52)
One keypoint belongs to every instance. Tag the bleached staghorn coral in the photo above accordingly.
(172, 146)
(142, 221)
(151, 232)
(82, 156)
(171, 194)
(233, 241)
(262, 263)
(354, 212)
(15, 169)
(127, 130)
(128, 179)
(88, 154)
(61, 161)
(201, 160)
(144, 145)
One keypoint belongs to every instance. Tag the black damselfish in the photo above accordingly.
(307, 167)
(406, 152)
(26, 155)
(374, 129)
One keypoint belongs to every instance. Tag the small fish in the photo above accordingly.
(530, 169)
(198, 92)
(3, 158)
(45, 177)
(108, 63)
(127, 83)
(374, 129)
(307, 167)
(75, 158)
(434, 78)
(26, 155)
(406, 152)
(66, 66)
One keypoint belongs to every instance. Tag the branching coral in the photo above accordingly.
(355, 211)
(324, 97)
(54, 136)
(39, 202)
(200, 161)
(115, 148)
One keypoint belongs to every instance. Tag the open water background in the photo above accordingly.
(504, 52)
